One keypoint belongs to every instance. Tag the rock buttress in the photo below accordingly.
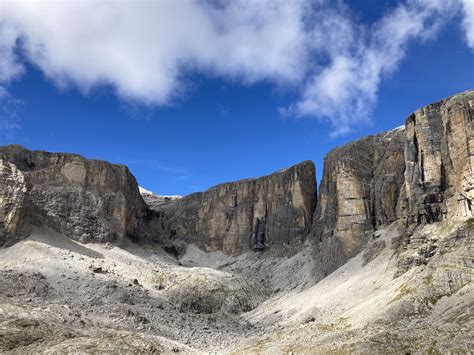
(439, 160)
(361, 191)
(416, 175)
(86, 200)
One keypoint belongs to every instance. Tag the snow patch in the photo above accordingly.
(144, 191)
(399, 128)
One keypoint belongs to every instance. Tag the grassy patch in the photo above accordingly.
(470, 224)
(404, 291)
(428, 280)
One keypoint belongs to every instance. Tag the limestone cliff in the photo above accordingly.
(439, 160)
(393, 216)
(87, 200)
(12, 202)
(417, 174)
(272, 213)
(359, 193)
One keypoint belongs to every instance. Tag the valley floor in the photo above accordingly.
(57, 295)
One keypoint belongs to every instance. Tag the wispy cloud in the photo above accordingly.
(147, 50)
(9, 117)
(358, 58)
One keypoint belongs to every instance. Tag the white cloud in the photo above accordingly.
(146, 50)
(468, 21)
(9, 66)
(143, 49)
(345, 91)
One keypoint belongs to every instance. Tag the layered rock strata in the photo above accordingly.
(360, 192)
(419, 173)
(272, 213)
(86, 200)
(416, 174)
(439, 158)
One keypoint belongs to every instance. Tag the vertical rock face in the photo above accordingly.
(439, 160)
(420, 174)
(12, 201)
(87, 200)
(271, 213)
(360, 192)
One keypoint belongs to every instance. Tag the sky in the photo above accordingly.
(189, 94)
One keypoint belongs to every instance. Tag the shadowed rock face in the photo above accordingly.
(87, 200)
(271, 213)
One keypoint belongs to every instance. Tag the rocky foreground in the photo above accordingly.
(379, 260)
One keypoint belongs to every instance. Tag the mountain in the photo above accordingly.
(379, 260)
(272, 214)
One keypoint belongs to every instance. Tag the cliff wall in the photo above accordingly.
(87, 200)
(272, 213)
(417, 174)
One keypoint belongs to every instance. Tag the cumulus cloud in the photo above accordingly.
(144, 49)
(9, 64)
(147, 50)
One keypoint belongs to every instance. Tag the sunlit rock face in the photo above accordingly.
(87, 200)
(439, 160)
(416, 174)
(360, 192)
(272, 213)
(12, 202)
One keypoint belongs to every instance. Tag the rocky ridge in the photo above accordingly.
(271, 213)
(156, 201)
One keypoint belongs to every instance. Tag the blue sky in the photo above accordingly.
(224, 116)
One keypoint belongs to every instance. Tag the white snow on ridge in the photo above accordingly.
(399, 127)
(172, 197)
(144, 191)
